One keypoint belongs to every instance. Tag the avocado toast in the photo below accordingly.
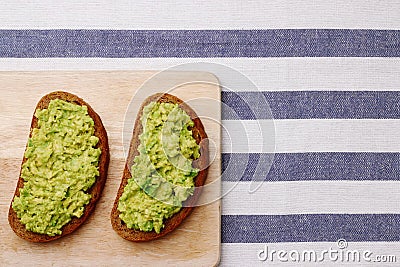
(58, 186)
(154, 199)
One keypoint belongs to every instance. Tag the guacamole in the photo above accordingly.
(61, 165)
(162, 173)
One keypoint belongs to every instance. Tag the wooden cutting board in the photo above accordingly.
(115, 96)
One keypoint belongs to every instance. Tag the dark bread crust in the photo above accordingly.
(95, 190)
(201, 163)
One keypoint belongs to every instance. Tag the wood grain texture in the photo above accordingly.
(196, 242)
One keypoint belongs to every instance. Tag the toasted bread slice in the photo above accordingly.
(95, 190)
(201, 163)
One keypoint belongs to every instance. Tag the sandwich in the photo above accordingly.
(63, 171)
(166, 167)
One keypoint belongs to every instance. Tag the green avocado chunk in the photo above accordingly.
(61, 165)
(162, 173)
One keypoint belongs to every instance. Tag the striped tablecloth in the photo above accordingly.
(330, 74)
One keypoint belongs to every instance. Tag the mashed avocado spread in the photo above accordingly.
(61, 165)
(162, 173)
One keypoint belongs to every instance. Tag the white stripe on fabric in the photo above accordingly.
(314, 135)
(255, 14)
(268, 74)
(243, 254)
(311, 197)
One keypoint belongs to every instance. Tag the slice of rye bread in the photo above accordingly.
(96, 188)
(201, 163)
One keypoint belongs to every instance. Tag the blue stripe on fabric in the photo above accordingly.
(311, 166)
(311, 105)
(200, 43)
(310, 228)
